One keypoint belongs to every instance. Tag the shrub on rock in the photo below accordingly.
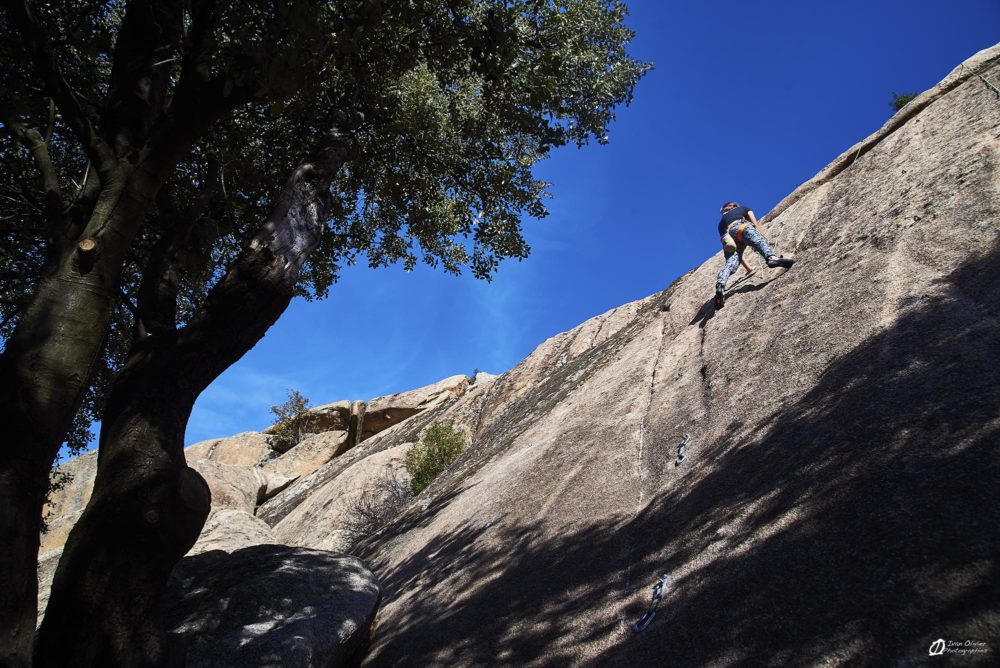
(440, 445)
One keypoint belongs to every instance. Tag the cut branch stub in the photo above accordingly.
(87, 248)
(86, 255)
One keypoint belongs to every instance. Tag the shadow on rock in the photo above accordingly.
(857, 525)
(271, 605)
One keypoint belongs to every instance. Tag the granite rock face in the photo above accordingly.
(271, 605)
(837, 502)
(384, 412)
(321, 520)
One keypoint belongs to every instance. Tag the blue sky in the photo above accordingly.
(748, 100)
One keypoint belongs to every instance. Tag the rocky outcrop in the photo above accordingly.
(361, 420)
(271, 605)
(244, 475)
(462, 411)
(243, 472)
(384, 412)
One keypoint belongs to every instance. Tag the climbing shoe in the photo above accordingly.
(720, 299)
(778, 261)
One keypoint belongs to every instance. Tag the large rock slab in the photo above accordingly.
(836, 504)
(321, 520)
(273, 606)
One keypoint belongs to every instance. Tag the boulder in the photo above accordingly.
(275, 483)
(384, 412)
(312, 452)
(228, 529)
(232, 486)
(330, 417)
(244, 449)
(271, 605)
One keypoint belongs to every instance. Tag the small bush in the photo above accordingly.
(440, 445)
(292, 417)
(380, 503)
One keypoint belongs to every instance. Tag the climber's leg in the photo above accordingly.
(732, 263)
(757, 241)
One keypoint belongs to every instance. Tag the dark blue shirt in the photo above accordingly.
(731, 216)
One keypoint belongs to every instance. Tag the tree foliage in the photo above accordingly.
(450, 103)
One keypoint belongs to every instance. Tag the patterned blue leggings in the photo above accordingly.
(754, 239)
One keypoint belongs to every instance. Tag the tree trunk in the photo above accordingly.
(148, 507)
(44, 373)
(146, 511)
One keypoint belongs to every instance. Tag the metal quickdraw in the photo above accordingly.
(681, 447)
(647, 618)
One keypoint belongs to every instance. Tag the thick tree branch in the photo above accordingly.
(197, 106)
(258, 287)
(150, 32)
(199, 100)
(157, 306)
(199, 40)
(32, 140)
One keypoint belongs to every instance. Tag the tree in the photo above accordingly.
(147, 244)
(900, 100)
(292, 417)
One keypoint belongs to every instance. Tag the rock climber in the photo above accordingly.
(737, 230)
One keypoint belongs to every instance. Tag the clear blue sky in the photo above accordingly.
(748, 100)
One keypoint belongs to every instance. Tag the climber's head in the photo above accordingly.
(728, 205)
